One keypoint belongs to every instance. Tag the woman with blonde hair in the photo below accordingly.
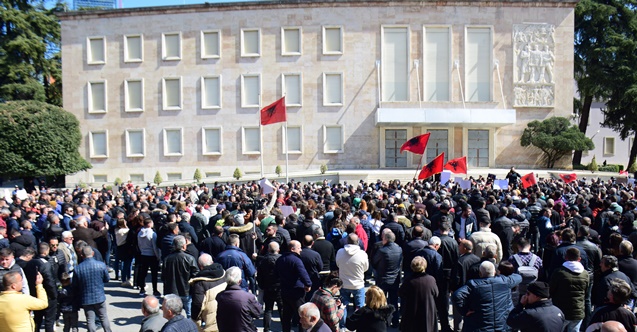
(374, 316)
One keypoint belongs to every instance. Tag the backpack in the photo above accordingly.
(528, 272)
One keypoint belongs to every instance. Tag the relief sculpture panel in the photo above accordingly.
(533, 65)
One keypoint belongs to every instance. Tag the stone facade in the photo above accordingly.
(363, 137)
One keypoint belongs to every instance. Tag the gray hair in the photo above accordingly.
(318, 232)
(309, 310)
(233, 276)
(173, 303)
(205, 260)
(389, 235)
(66, 234)
(434, 241)
(148, 307)
(185, 217)
(178, 242)
(490, 251)
(487, 269)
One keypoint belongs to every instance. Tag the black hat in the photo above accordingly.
(540, 289)
(573, 208)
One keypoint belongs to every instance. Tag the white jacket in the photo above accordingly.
(352, 263)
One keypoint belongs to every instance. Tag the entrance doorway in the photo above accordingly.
(394, 139)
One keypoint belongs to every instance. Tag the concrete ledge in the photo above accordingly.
(446, 116)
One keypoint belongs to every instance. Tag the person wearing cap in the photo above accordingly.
(535, 311)
(574, 219)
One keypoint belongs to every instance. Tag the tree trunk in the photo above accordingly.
(632, 156)
(585, 113)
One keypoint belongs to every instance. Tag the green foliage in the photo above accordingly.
(556, 137)
(197, 176)
(633, 168)
(118, 182)
(277, 170)
(323, 168)
(30, 63)
(609, 168)
(237, 174)
(38, 139)
(157, 179)
(593, 165)
(580, 167)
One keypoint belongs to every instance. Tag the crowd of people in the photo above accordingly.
(327, 256)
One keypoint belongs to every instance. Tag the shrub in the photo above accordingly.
(323, 168)
(580, 167)
(609, 168)
(633, 168)
(197, 176)
(237, 173)
(158, 180)
(117, 182)
(277, 170)
(593, 165)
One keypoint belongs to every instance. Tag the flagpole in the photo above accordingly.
(287, 152)
(260, 138)
(419, 163)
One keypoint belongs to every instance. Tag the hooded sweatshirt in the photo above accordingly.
(352, 263)
(147, 242)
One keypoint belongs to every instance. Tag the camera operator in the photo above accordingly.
(327, 299)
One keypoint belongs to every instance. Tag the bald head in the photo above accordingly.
(150, 305)
(613, 326)
(204, 260)
(295, 246)
(273, 247)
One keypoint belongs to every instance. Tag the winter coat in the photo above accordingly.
(489, 299)
(387, 263)
(234, 256)
(179, 267)
(236, 310)
(293, 275)
(541, 316)
(204, 288)
(568, 288)
(246, 243)
(418, 298)
(267, 277)
(370, 320)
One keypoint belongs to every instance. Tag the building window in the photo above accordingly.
(609, 146)
(173, 142)
(211, 44)
(100, 178)
(98, 141)
(97, 97)
(211, 92)
(250, 90)
(291, 41)
(96, 51)
(293, 89)
(211, 141)
(332, 40)
(135, 142)
(173, 176)
(294, 136)
(251, 140)
(133, 48)
(250, 42)
(137, 178)
(437, 63)
(395, 64)
(332, 139)
(478, 64)
(332, 89)
(212, 174)
(172, 94)
(171, 46)
(134, 95)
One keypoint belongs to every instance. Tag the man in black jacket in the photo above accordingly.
(41, 264)
(269, 282)
(399, 230)
(388, 262)
(179, 268)
(459, 275)
(449, 252)
(536, 311)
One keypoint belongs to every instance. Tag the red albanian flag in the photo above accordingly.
(434, 167)
(568, 178)
(528, 180)
(274, 112)
(416, 144)
(458, 165)
(623, 173)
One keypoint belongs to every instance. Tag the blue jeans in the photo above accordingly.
(572, 325)
(187, 301)
(359, 300)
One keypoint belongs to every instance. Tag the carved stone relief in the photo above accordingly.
(533, 65)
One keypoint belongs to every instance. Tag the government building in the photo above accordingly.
(178, 88)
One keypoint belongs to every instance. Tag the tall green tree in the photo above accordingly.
(556, 137)
(38, 139)
(593, 31)
(30, 63)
